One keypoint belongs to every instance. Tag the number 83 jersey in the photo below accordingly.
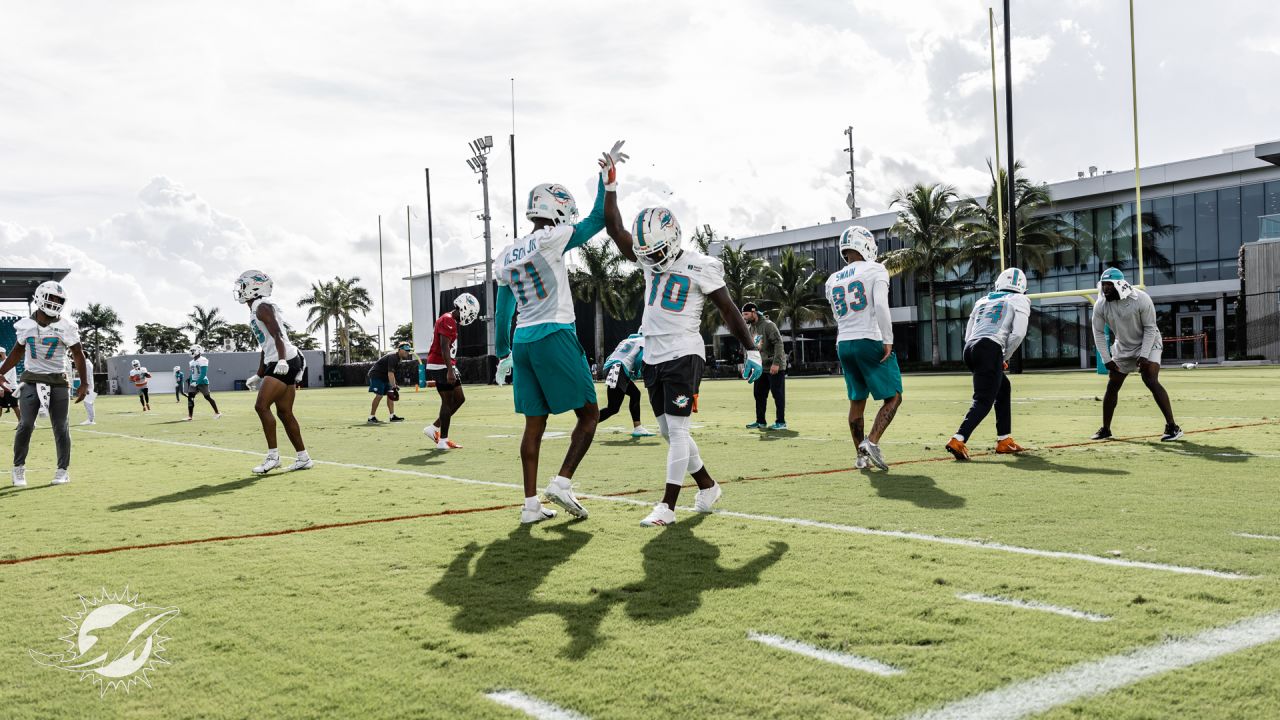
(673, 303)
(851, 292)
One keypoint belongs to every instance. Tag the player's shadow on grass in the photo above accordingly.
(630, 441)
(1040, 463)
(10, 491)
(1216, 453)
(917, 489)
(195, 493)
(499, 593)
(679, 567)
(769, 435)
(426, 458)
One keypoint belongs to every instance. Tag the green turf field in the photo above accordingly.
(424, 614)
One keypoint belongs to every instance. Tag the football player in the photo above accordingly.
(441, 367)
(622, 368)
(89, 397)
(9, 397)
(382, 382)
(177, 383)
(44, 340)
(859, 297)
(198, 382)
(996, 328)
(678, 281)
(1137, 345)
(549, 369)
(280, 370)
(139, 376)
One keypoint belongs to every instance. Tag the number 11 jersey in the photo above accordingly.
(534, 268)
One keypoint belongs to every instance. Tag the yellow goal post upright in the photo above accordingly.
(1090, 293)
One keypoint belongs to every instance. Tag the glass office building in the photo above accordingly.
(1196, 214)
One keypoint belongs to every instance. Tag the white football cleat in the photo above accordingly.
(433, 434)
(88, 422)
(661, 515)
(872, 451)
(300, 464)
(61, 477)
(528, 516)
(20, 476)
(561, 493)
(270, 463)
(217, 416)
(703, 501)
(641, 431)
(863, 462)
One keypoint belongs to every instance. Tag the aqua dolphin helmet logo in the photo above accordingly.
(560, 194)
(665, 220)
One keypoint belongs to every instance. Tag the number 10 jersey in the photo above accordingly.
(673, 303)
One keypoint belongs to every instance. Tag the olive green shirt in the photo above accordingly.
(769, 342)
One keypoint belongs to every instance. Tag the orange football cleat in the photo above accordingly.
(452, 445)
(958, 449)
(1008, 446)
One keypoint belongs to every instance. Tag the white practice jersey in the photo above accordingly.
(673, 306)
(851, 292)
(265, 341)
(628, 355)
(994, 316)
(46, 347)
(196, 363)
(534, 268)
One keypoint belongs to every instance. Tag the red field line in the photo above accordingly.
(948, 458)
(273, 533)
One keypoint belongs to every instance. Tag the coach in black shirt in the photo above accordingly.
(382, 381)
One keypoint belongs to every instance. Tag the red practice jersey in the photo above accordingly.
(446, 326)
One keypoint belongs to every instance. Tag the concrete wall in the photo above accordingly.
(224, 369)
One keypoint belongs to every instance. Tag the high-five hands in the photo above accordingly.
(609, 166)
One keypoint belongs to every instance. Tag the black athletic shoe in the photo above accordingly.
(1102, 434)
(373, 420)
(1171, 433)
(396, 418)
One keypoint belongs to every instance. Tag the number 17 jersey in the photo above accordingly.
(851, 292)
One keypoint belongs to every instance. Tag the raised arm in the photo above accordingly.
(607, 202)
(614, 225)
(590, 225)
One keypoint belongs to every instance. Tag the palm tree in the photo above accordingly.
(929, 225)
(794, 291)
(322, 305)
(598, 282)
(98, 325)
(742, 272)
(240, 335)
(302, 341)
(1041, 235)
(351, 298)
(207, 327)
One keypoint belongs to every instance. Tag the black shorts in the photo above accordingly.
(10, 400)
(292, 376)
(441, 379)
(672, 385)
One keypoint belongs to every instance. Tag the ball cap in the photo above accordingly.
(750, 307)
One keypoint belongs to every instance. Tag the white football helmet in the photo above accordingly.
(252, 284)
(135, 364)
(49, 298)
(861, 241)
(554, 202)
(1012, 280)
(655, 238)
(468, 308)
(177, 368)
(196, 351)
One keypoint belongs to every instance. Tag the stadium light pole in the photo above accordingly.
(853, 188)
(478, 163)
(382, 287)
(515, 224)
(431, 246)
(1011, 198)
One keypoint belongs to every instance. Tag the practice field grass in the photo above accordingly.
(876, 574)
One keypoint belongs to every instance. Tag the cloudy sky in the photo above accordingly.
(160, 148)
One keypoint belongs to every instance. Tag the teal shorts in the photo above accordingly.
(864, 373)
(550, 375)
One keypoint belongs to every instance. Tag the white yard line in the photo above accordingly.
(1252, 536)
(801, 522)
(1095, 677)
(1033, 605)
(532, 706)
(853, 662)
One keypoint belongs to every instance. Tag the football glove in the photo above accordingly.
(394, 394)
(505, 366)
(253, 382)
(282, 367)
(609, 166)
(752, 368)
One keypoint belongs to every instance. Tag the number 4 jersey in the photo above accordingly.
(46, 347)
(673, 303)
(853, 292)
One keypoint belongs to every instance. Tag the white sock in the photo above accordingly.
(532, 503)
(273, 452)
(562, 481)
(959, 437)
(1002, 437)
(302, 455)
